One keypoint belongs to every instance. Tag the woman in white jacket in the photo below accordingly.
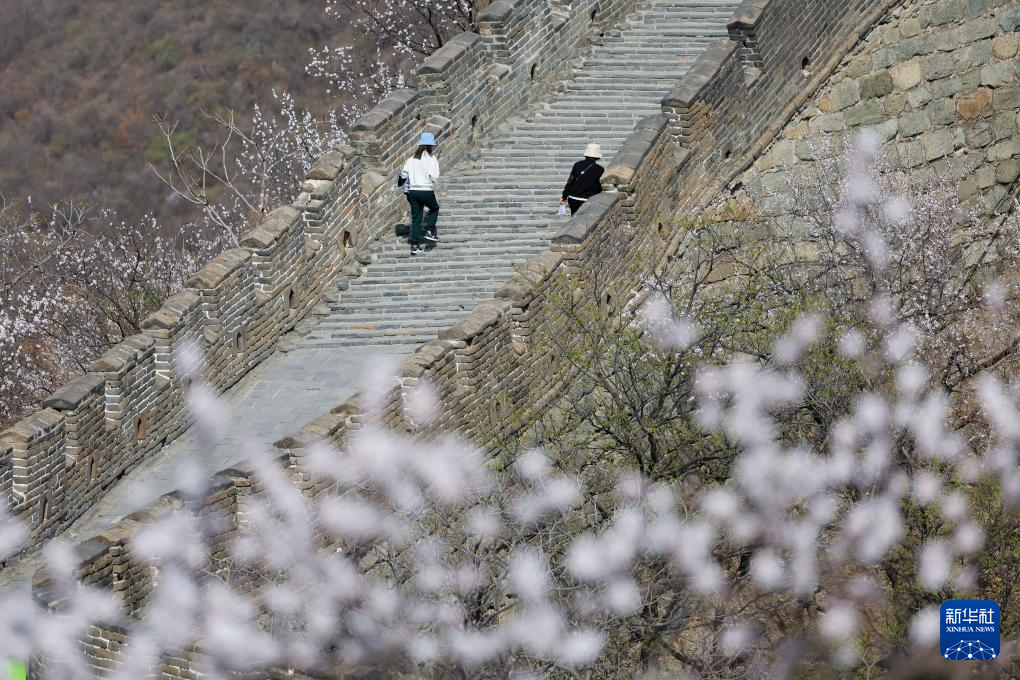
(421, 171)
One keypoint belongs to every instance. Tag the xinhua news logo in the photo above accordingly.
(970, 630)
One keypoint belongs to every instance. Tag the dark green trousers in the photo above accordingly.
(420, 200)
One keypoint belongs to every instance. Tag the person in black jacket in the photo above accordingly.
(583, 182)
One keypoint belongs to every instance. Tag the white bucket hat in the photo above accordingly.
(593, 151)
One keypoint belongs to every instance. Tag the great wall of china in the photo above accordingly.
(481, 94)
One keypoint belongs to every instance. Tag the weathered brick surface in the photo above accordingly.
(738, 89)
(936, 84)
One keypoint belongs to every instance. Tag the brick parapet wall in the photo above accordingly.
(740, 91)
(57, 463)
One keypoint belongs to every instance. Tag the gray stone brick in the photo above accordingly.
(864, 113)
(876, 85)
(1003, 125)
(894, 104)
(1005, 46)
(844, 94)
(943, 12)
(947, 40)
(971, 78)
(976, 8)
(978, 135)
(946, 87)
(1007, 171)
(975, 55)
(985, 176)
(1009, 19)
(973, 104)
(1003, 150)
(910, 27)
(996, 74)
(919, 96)
(968, 187)
(977, 29)
(883, 131)
(911, 153)
(914, 123)
(825, 123)
(937, 144)
(938, 65)
(942, 111)
(906, 75)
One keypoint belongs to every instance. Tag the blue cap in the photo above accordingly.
(427, 138)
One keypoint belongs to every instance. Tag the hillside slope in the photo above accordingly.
(80, 83)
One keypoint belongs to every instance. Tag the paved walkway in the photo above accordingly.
(496, 212)
(274, 400)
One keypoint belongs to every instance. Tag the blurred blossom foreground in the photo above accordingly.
(430, 559)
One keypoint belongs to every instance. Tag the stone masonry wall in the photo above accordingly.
(730, 102)
(57, 463)
(491, 369)
(938, 84)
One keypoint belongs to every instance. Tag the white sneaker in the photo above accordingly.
(429, 236)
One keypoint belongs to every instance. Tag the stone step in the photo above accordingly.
(376, 310)
(542, 128)
(399, 316)
(512, 166)
(480, 245)
(651, 80)
(406, 346)
(366, 340)
(475, 187)
(426, 278)
(511, 190)
(382, 273)
(574, 97)
(600, 118)
(505, 217)
(378, 294)
(543, 124)
(496, 157)
(411, 267)
(486, 214)
(413, 323)
(461, 228)
(465, 223)
(663, 33)
(643, 53)
(509, 239)
(393, 309)
(543, 145)
(405, 305)
(482, 215)
(495, 215)
(719, 12)
(494, 247)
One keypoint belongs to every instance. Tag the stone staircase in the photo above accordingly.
(499, 209)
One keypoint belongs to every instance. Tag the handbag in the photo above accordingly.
(403, 183)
